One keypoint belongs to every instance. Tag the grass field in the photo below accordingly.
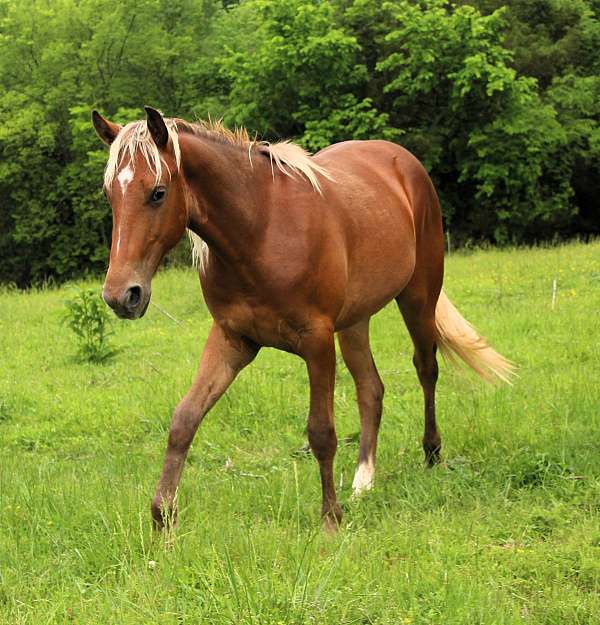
(507, 530)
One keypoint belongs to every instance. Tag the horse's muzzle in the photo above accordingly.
(130, 303)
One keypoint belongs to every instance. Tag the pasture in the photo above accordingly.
(506, 530)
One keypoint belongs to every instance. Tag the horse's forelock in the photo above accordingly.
(135, 138)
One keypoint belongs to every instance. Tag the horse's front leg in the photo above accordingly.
(319, 354)
(223, 358)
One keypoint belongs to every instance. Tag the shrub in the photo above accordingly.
(87, 316)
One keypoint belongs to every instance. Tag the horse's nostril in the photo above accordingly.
(133, 297)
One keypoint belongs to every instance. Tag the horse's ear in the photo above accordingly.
(107, 131)
(157, 127)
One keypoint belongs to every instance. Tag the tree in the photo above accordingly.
(482, 130)
(57, 62)
(302, 78)
(501, 104)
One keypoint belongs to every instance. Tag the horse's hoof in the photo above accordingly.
(332, 520)
(432, 455)
(164, 515)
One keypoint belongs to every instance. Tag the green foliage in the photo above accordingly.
(301, 71)
(351, 119)
(550, 37)
(482, 130)
(577, 102)
(497, 97)
(87, 315)
(57, 62)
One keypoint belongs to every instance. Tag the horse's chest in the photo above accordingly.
(258, 322)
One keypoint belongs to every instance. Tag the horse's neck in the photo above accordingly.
(225, 189)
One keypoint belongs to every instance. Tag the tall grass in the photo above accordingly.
(506, 531)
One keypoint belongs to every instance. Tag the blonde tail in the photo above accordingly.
(457, 337)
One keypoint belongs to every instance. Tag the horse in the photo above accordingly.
(292, 249)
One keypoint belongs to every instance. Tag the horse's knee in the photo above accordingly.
(370, 399)
(370, 392)
(377, 394)
(183, 426)
(375, 391)
(322, 440)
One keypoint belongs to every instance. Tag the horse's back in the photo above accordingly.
(377, 161)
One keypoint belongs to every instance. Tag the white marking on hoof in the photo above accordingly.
(363, 478)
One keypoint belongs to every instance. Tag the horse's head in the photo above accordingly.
(145, 188)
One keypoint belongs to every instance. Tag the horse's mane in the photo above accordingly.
(288, 158)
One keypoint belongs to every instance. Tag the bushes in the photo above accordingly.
(514, 156)
(88, 318)
(482, 130)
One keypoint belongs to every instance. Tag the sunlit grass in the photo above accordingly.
(506, 531)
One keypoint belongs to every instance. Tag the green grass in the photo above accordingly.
(506, 531)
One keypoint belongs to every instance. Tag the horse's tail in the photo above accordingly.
(457, 337)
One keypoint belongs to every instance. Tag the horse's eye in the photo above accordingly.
(158, 195)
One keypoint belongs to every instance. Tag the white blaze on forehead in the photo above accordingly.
(118, 238)
(125, 177)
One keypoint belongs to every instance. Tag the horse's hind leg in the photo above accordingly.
(356, 351)
(418, 309)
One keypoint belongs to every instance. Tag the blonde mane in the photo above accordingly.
(286, 157)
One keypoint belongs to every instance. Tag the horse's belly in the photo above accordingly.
(374, 290)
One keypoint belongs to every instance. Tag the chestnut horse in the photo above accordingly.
(293, 249)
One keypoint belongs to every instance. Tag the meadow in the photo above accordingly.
(506, 530)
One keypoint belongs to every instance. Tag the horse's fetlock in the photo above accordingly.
(332, 517)
(164, 512)
(432, 448)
